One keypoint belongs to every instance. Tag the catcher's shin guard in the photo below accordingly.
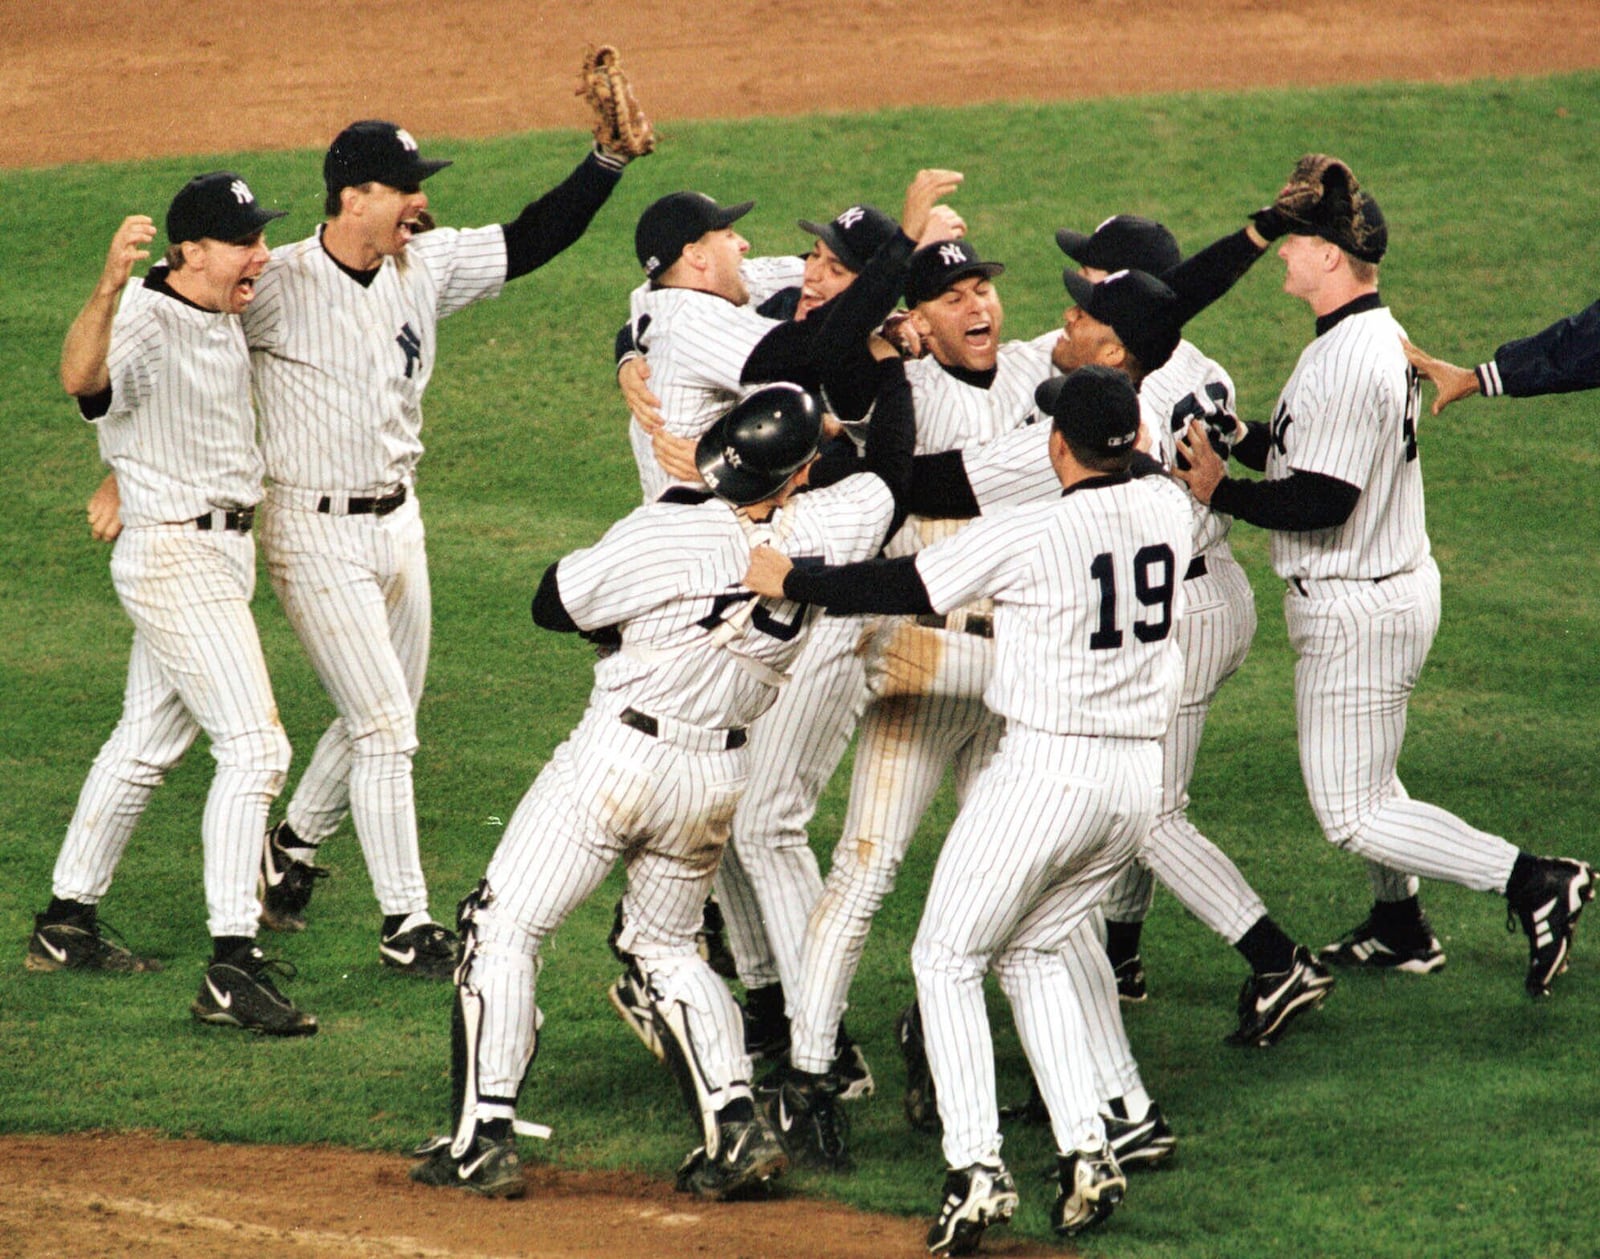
(672, 1031)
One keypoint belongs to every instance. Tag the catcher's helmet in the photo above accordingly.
(750, 452)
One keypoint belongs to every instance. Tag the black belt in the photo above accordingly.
(1300, 585)
(982, 626)
(1197, 568)
(234, 521)
(367, 506)
(644, 723)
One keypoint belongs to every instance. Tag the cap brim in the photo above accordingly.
(1047, 393)
(432, 166)
(1072, 244)
(1080, 289)
(731, 214)
(829, 234)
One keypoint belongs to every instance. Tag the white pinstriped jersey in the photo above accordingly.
(669, 573)
(1086, 590)
(340, 368)
(179, 433)
(697, 344)
(953, 414)
(1350, 411)
(1165, 403)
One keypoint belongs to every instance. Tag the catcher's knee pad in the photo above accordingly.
(678, 1003)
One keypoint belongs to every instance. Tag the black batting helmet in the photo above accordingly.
(750, 452)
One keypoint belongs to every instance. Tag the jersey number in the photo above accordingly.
(1155, 580)
(1408, 427)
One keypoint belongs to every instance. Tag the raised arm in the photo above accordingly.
(88, 341)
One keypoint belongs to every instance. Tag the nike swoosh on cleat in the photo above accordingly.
(59, 955)
(224, 1000)
(397, 957)
(467, 1170)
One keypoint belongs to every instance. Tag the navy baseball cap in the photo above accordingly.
(676, 220)
(218, 205)
(1095, 407)
(855, 235)
(935, 267)
(1124, 242)
(374, 151)
(1140, 309)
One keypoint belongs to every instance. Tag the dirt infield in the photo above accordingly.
(89, 82)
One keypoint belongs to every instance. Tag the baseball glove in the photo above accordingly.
(620, 125)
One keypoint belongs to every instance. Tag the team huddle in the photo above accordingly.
(866, 514)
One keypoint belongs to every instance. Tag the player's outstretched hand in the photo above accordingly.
(1205, 471)
(1453, 383)
(105, 510)
(127, 249)
(632, 378)
(922, 196)
(768, 568)
(676, 456)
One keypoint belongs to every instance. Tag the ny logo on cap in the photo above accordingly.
(952, 254)
(406, 142)
(241, 192)
(851, 217)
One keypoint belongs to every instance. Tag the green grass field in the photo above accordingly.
(1439, 1116)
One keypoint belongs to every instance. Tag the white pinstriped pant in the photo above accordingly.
(1218, 623)
(196, 664)
(928, 712)
(611, 792)
(768, 880)
(355, 588)
(1360, 647)
(1049, 823)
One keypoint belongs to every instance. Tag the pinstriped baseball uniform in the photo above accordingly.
(666, 575)
(339, 372)
(926, 711)
(180, 436)
(1218, 624)
(1086, 593)
(697, 345)
(1362, 606)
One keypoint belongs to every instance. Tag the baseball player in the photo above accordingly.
(654, 771)
(1214, 636)
(1563, 358)
(769, 878)
(159, 366)
(1085, 590)
(1343, 497)
(342, 338)
(926, 674)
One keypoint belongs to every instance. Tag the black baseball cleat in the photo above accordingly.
(421, 948)
(921, 1103)
(239, 992)
(632, 1004)
(1269, 1003)
(81, 945)
(804, 1112)
(850, 1071)
(286, 883)
(490, 1168)
(749, 1156)
(975, 1198)
(1367, 945)
(1547, 902)
(1129, 974)
(1135, 1143)
(1092, 1186)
